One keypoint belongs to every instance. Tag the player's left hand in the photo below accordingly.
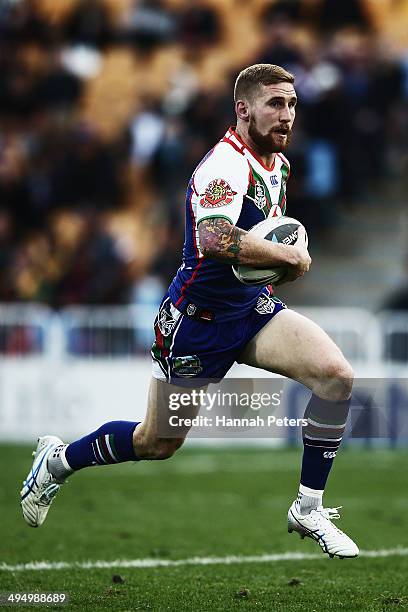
(303, 259)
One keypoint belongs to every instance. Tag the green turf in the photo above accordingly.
(210, 503)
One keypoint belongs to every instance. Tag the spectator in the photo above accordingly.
(199, 25)
(278, 41)
(334, 15)
(148, 25)
(23, 22)
(87, 174)
(89, 24)
(59, 89)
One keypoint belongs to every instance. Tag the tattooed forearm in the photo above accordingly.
(220, 240)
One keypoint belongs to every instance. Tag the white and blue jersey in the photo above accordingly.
(196, 335)
(230, 182)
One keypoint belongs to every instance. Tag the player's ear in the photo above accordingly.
(242, 110)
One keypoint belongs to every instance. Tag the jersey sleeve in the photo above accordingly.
(220, 184)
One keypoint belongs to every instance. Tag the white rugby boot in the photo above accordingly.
(318, 526)
(40, 486)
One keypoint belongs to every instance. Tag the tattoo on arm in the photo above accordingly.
(220, 240)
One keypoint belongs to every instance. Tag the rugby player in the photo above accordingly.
(208, 319)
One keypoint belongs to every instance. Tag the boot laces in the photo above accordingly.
(322, 515)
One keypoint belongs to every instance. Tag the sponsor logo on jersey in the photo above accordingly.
(329, 454)
(260, 197)
(265, 305)
(274, 180)
(217, 193)
(188, 366)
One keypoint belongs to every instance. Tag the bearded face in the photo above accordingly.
(271, 117)
(272, 140)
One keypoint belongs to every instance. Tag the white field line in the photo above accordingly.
(208, 464)
(152, 563)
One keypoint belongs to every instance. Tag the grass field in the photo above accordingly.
(209, 503)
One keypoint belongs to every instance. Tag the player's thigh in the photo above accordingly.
(294, 346)
(162, 403)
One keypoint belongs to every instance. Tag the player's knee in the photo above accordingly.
(339, 377)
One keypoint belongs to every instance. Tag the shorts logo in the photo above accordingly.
(218, 193)
(265, 305)
(187, 366)
(166, 322)
(260, 197)
(329, 454)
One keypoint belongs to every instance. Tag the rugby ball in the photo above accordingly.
(276, 229)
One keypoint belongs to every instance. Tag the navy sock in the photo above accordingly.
(315, 468)
(326, 421)
(111, 443)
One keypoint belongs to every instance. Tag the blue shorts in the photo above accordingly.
(186, 347)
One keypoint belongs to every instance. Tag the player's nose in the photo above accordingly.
(284, 115)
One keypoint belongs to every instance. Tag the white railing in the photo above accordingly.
(120, 331)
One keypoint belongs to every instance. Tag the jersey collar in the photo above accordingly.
(232, 135)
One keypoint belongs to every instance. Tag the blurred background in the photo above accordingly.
(106, 107)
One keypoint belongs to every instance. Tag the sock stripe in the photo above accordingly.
(106, 441)
(95, 452)
(113, 448)
(322, 439)
(323, 434)
(329, 444)
(101, 456)
(325, 425)
(104, 449)
(332, 448)
(98, 454)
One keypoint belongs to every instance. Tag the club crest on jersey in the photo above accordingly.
(260, 197)
(274, 180)
(217, 193)
(265, 305)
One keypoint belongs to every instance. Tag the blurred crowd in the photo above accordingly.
(92, 206)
